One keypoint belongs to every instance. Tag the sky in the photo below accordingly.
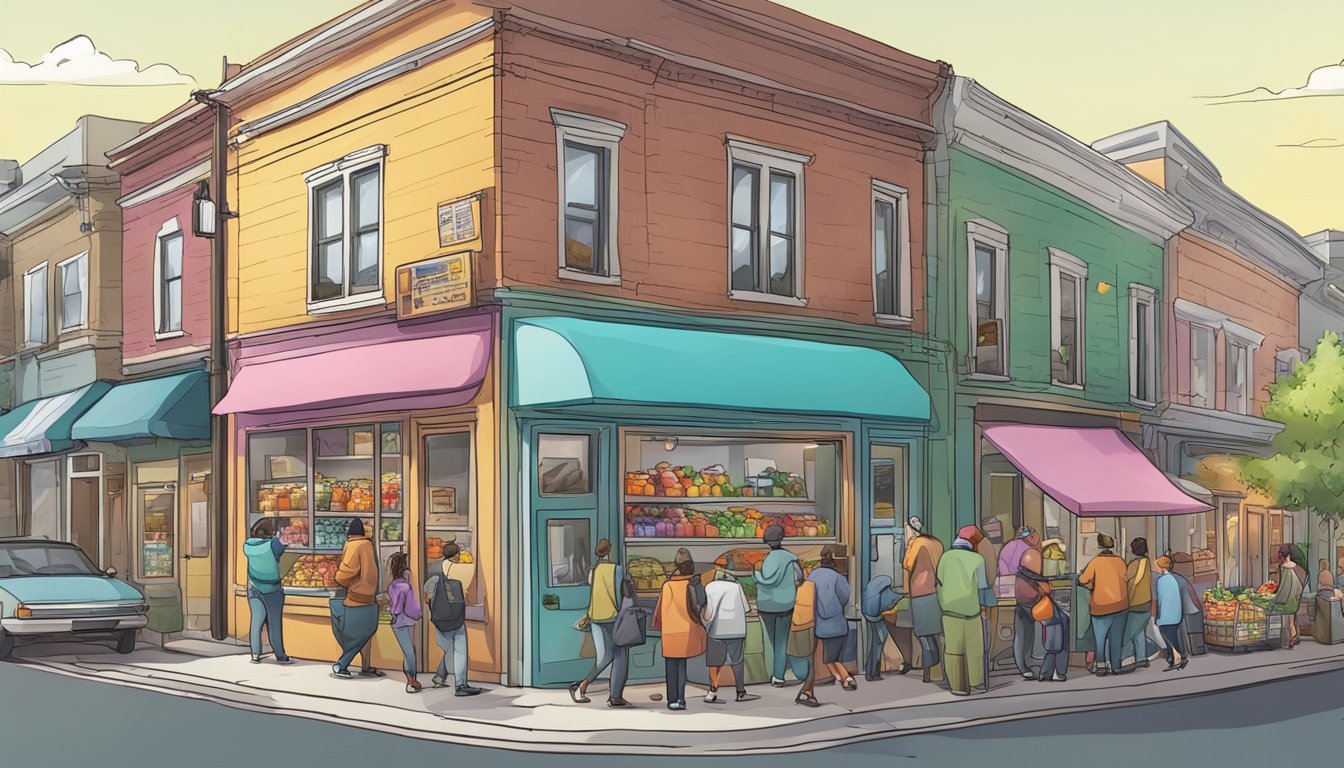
(1090, 67)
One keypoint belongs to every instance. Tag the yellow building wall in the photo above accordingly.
(437, 123)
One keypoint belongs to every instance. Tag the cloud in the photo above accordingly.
(1323, 143)
(78, 61)
(1323, 81)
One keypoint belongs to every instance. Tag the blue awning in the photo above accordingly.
(43, 426)
(174, 407)
(568, 361)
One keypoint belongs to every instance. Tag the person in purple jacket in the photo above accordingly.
(405, 610)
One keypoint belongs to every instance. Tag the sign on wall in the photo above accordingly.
(440, 284)
(459, 221)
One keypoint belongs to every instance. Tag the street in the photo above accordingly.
(51, 720)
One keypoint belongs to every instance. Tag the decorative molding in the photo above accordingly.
(601, 126)
(1199, 314)
(978, 120)
(1240, 333)
(740, 144)
(184, 178)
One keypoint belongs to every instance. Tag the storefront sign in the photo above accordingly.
(442, 505)
(440, 284)
(458, 220)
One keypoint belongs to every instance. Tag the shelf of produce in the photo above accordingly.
(669, 541)
(332, 513)
(736, 501)
(314, 550)
(313, 591)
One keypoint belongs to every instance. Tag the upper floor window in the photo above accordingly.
(766, 223)
(1242, 342)
(987, 250)
(35, 305)
(1202, 364)
(589, 160)
(1068, 290)
(74, 286)
(345, 267)
(168, 280)
(891, 252)
(1142, 344)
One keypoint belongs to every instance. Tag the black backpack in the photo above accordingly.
(447, 603)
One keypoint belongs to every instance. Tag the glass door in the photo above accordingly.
(194, 531)
(448, 500)
(566, 496)
(157, 519)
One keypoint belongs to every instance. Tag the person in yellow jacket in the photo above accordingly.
(355, 619)
(1139, 578)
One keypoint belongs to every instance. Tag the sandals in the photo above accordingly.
(807, 701)
(850, 684)
(578, 698)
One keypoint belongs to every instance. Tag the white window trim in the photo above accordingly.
(1251, 339)
(1065, 263)
(345, 167)
(61, 266)
(1248, 396)
(899, 198)
(769, 159)
(28, 341)
(1142, 293)
(600, 132)
(170, 227)
(991, 234)
(1212, 400)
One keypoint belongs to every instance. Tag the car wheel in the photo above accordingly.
(125, 641)
(6, 644)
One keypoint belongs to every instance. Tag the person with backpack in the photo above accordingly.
(406, 613)
(880, 601)
(264, 595)
(802, 644)
(832, 627)
(604, 603)
(677, 616)
(446, 595)
(355, 619)
(725, 616)
(777, 581)
(1054, 627)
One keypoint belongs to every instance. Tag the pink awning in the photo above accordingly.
(440, 365)
(1091, 472)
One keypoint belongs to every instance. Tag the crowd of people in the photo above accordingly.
(945, 609)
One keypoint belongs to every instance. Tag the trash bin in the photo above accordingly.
(1328, 626)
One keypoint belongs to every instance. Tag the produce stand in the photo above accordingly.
(1240, 620)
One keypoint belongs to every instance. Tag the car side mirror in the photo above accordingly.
(110, 572)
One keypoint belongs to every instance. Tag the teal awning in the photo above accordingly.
(174, 407)
(43, 426)
(567, 361)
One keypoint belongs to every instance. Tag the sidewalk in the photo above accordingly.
(547, 721)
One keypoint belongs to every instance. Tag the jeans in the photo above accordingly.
(620, 670)
(965, 664)
(1136, 638)
(1024, 638)
(1110, 633)
(604, 648)
(676, 680)
(776, 627)
(267, 611)
(453, 644)
(354, 630)
(1055, 662)
(404, 639)
(1175, 640)
(928, 645)
(877, 639)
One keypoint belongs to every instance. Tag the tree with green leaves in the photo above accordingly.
(1306, 471)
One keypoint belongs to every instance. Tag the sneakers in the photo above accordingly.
(712, 697)
(849, 684)
(744, 696)
(1029, 675)
(285, 662)
(676, 706)
(775, 682)
(342, 674)
(961, 693)
(438, 682)
(467, 690)
(256, 659)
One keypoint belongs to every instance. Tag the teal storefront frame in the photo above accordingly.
(546, 639)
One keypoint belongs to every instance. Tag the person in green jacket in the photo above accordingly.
(265, 596)
(963, 593)
(777, 583)
(1288, 596)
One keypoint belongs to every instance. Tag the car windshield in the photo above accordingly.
(36, 559)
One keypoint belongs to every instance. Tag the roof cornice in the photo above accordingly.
(978, 120)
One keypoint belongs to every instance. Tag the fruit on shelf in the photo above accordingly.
(665, 479)
(674, 522)
(295, 534)
(647, 573)
(313, 572)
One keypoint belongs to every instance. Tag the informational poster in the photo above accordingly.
(458, 221)
(440, 284)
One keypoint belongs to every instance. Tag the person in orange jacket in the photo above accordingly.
(677, 617)
(356, 618)
(1105, 576)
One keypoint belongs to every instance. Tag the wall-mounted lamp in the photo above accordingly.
(203, 218)
(1104, 287)
(670, 443)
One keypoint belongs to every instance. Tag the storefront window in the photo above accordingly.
(449, 503)
(44, 499)
(157, 507)
(890, 473)
(1231, 543)
(563, 465)
(390, 525)
(567, 547)
(343, 471)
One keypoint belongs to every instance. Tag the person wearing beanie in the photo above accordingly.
(777, 580)
(355, 618)
(1022, 553)
(1139, 577)
(963, 594)
(1104, 578)
(922, 553)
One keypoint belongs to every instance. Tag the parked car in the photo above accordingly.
(50, 589)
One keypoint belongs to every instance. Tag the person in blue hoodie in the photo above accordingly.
(777, 583)
(833, 595)
(879, 605)
(265, 597)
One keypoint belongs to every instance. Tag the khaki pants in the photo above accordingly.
(964, 658)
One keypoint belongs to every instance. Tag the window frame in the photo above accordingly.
(28, 339)
(985, 232)
(1138, 294)
(593, 132)
(768, 161)
(319, 179)
(1211, 400)
(1064, 263)
(1246, 395)
(61, 268)
(903, 301)
(170, 229)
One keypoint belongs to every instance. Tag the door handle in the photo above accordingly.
(186, 557)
